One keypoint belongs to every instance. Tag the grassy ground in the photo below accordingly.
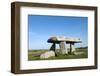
(79, 53)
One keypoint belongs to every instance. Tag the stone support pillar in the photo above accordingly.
(72, 48)
(63, 49)
(53, 47)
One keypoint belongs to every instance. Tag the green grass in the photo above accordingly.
(35, 54)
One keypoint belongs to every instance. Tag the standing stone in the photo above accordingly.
(72, 48)
(63, 49)
(53, 47)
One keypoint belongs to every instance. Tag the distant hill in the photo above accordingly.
(83, 47)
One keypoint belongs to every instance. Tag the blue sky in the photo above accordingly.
(42, 27)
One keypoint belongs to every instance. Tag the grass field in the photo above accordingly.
(79, 53)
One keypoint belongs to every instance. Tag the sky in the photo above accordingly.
(42, 27)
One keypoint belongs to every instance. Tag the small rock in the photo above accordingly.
(47, 54)
(78, 53)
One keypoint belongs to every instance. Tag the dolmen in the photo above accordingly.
(62, 41)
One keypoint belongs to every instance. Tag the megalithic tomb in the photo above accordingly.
(62, 41)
